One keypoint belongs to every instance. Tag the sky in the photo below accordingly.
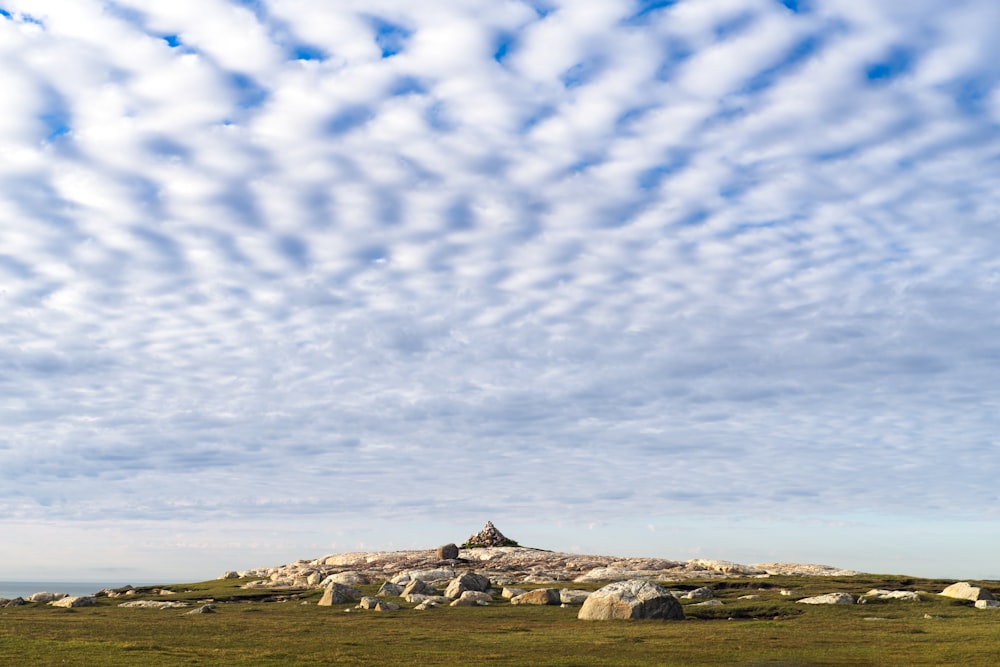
(692, 278)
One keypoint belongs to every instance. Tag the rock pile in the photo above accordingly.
(489, 536)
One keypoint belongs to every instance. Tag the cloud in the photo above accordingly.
(566, 262)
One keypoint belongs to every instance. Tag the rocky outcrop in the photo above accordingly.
(963, 590)
(829, 598)
(631, 600)
(44, 596)
(508, 566)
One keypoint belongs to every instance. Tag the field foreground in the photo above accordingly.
(284, 626)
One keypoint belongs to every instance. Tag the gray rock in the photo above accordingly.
(418, 598)
(338, 594)
(447, 552)
(75, 601)
(204, 609)
(631, 600)
(153, 604)
(508, 593)
(472, 599)
(540, 596)
(987, 604)
(879, 594)
(703, 593)
(418, 587)
(965, 591)
(390, 589)
(470, 581)
(708, 603)
(350, 578)
(570, 596)
(829, 598)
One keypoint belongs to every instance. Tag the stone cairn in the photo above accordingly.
(489, 536)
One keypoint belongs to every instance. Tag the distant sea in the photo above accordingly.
(22, 589)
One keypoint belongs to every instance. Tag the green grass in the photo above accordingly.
(265, 628)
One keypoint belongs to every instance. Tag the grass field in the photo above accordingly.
(257, 628)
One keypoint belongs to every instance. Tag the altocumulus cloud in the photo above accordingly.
(561, 261)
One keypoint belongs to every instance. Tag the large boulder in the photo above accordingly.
(538, 596)
(45, 596)
(338, 594)
(447, 552)
(573, 596)
(350, 578)
(418, 587)
(470, 581)
(631, 600)
(389, 589)
(963, 590)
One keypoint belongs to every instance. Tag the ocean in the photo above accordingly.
(22, 589)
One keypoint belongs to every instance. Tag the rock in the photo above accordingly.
(472, 599)
(418, 587)
(616, 574)
(204, 609)
(44, 596)
(436, 599)
(75, 601)
(470, 581)
(539, 596)
(447, 552)
(508, 593)
(424, 606)
(377, 605)
(389, 589)
(349, 578)
(708, 603)
(631, 600)
(338, 594)
(987, 604)
(230, 575)
(16, 602)
(571, 596)
(965, 591)
(879, 594)
(153, 604)
(725, 566)
(436, 574)
(749, 597)
(829, 598)
(489, 536)
(703, 593)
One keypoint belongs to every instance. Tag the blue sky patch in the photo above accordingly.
(307, 52)
(173, 41)
(249, 93)
(390, 37)
(4, 13)
(645, 9)
(897, 63)
(505, 44)
(349, 119)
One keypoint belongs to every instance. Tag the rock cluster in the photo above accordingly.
(489, 536)
(504, 566)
